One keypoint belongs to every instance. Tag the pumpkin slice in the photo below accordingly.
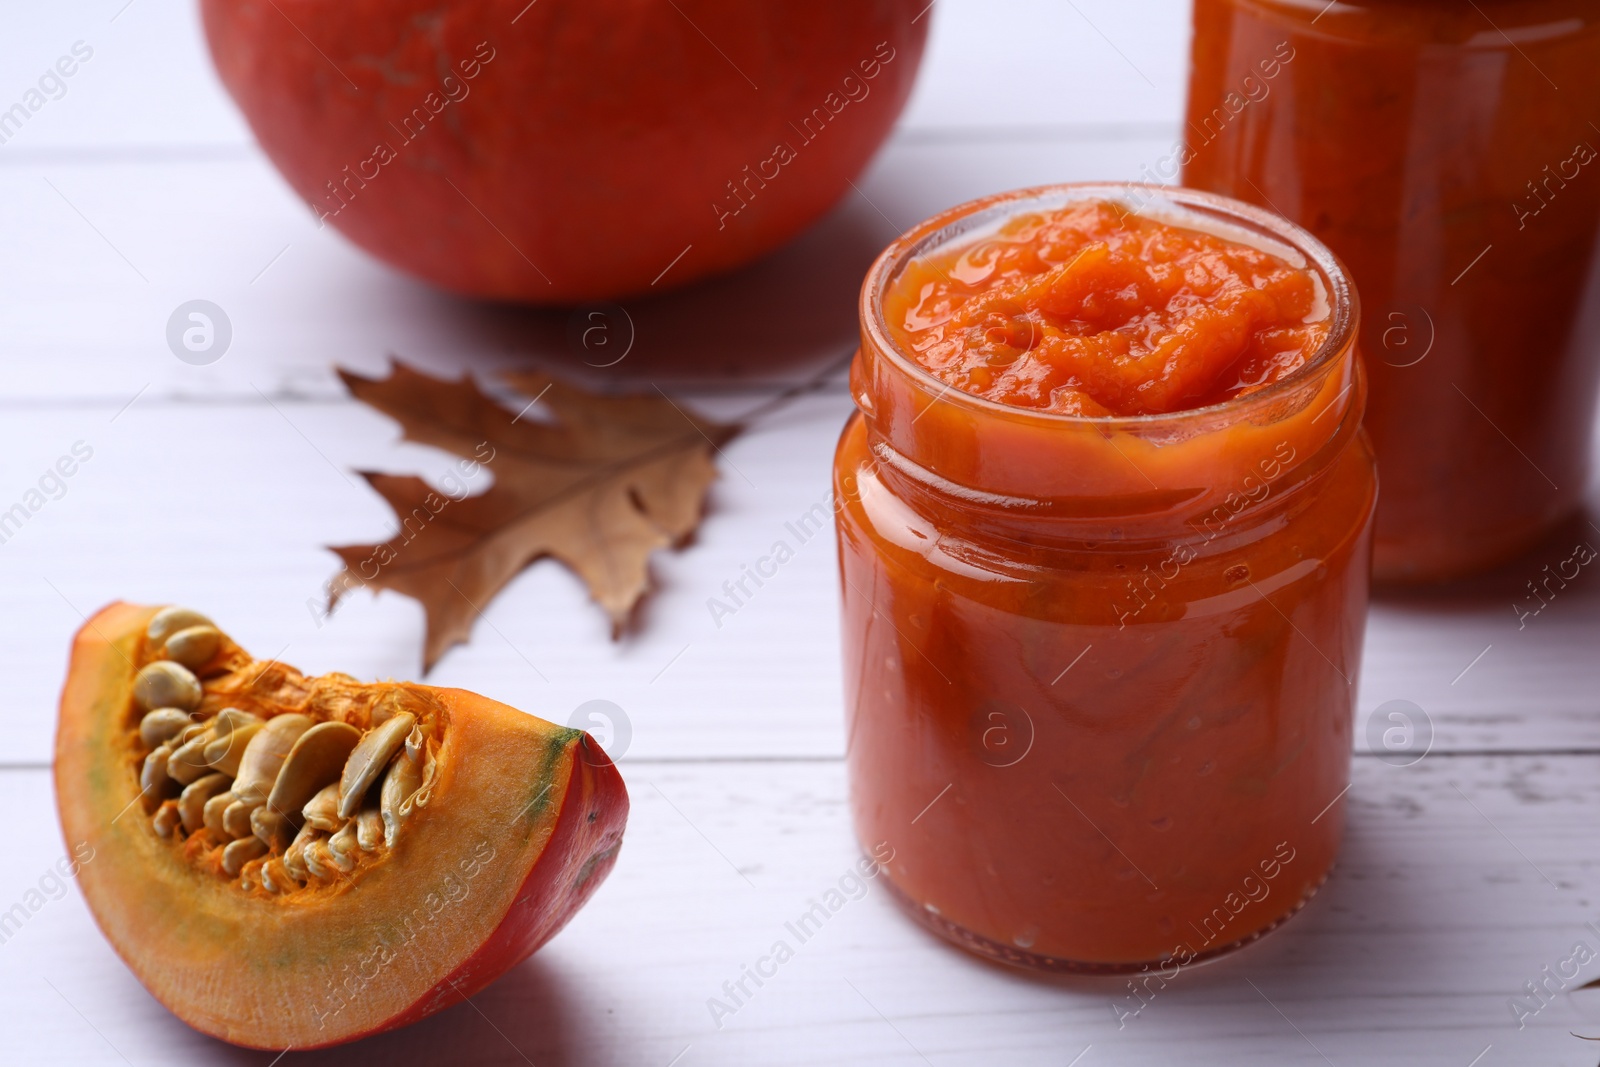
(473, 832)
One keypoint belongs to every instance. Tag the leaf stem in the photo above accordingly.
(795, 391)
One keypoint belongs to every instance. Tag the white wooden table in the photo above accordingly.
(1463, 876)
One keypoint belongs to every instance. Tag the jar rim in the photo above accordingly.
(1191, 206)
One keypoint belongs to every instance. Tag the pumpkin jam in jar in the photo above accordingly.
(1448, 151)
(1103, 520)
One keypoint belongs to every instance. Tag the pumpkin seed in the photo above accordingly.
(162, 724)
(366, 763)
(167, 819)
(192, 801)
(321, 812)
(275, 877)
(344, 847)
(250, 875)
(315, 761)
(369, 829)
(231, 719)
(319, 861)
(424, 793)
(272, 827)
(188, 761)
(154, 784)
(263, 757)
(294, 858)
(165, 684)
(399, 784)
(195, 646)
(224, 753)
(170, 620)
(237, 853)
(236, 817)
(215, 809)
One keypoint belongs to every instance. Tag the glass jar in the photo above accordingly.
(1100, 671)
(1446, 152)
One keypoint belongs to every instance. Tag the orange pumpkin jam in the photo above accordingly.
(1089, 310)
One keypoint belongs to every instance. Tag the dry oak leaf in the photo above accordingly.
(599, 485)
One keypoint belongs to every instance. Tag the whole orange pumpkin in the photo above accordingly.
(556, 151)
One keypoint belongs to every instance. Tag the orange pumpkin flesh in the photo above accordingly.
(523, 823)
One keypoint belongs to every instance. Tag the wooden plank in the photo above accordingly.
(147, 80)
(1438, 913)
(150, 85)
(993, 64)
(102, 255)
(225, 506)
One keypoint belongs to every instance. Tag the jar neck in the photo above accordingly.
(1208, 477)
(1032, 476)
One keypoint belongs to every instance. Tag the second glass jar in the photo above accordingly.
(1446, 151)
